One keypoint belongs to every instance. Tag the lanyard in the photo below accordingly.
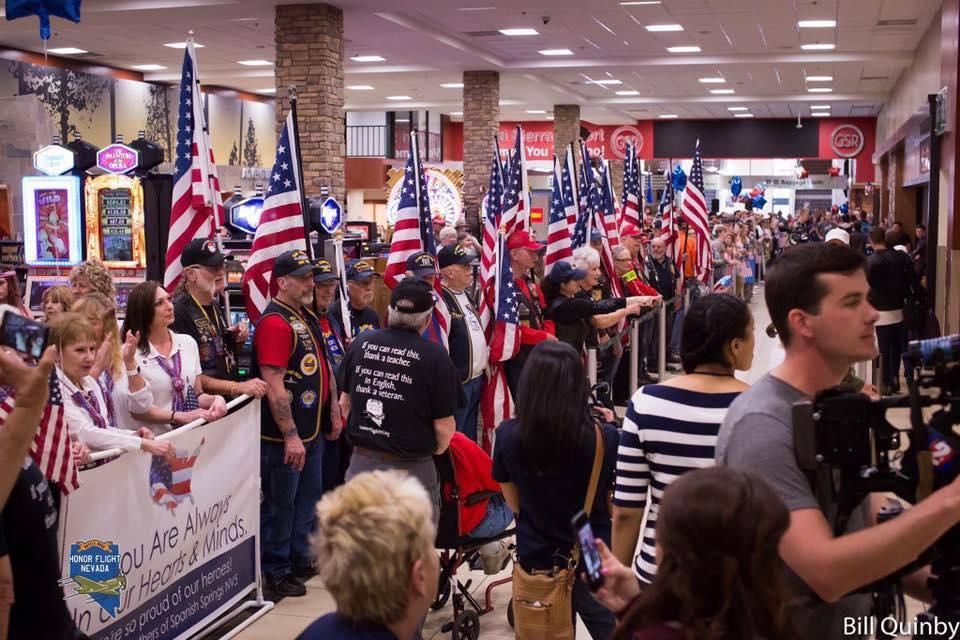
(87, 402)
(215, 323)
(106, 386)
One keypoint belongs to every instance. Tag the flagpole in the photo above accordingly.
(415, 149)
(304, 210)
(341, 269)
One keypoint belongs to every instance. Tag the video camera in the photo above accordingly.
(849, 449)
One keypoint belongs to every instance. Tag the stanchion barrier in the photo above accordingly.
(155, 547)
(592, 365)
(635, 347)
(662, 339)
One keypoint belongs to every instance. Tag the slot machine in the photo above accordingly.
(52, 221)
(242, 218)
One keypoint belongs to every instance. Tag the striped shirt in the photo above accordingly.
(667, 431)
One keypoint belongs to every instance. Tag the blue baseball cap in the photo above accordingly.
(360, 270)
(595, 235)
(563, 271)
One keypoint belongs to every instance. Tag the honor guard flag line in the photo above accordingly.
(196, 210)
(630, 210)
(496, 405)
(694, 211)
(491, 225)
(281, 222)
(558, 232)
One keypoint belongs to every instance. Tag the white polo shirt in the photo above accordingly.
(161, 386)
(81, 424)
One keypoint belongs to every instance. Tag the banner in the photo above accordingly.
(155, 549)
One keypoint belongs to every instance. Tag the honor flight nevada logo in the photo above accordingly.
(95, 572)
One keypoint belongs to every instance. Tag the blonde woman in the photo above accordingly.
(56, 300)
(92, 276)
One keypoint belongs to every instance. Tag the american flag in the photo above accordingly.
(608, 207)
(667, 228)
(558, 232)
(496, 405)
(513, 196)
(281, 223)
(604, 221)
(630, 211)
(197, 210)
(694, 211)
(491, 225)
(588, 201)
(170, 480)
(570, 202)
(51, 449)
(523, 213)
(413, 230)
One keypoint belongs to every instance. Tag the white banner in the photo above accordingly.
(155, 549)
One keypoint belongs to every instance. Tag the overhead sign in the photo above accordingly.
(118, 158)
(331, 215)
(846, 141)
(54, 160)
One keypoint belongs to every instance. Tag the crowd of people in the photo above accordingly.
(355, 408)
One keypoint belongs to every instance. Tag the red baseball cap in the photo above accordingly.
(632, 231)
(522, 240)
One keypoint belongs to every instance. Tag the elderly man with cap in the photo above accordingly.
(197, 314)
(400, 392)
(467, 342)
(360, 275)
(534, 327)
(424, 265)
(290, 357)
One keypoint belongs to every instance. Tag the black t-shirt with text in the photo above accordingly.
(399, 383)
(29, 524)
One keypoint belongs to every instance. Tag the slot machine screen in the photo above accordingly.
(116, 224)
(37, 286)
(244, 357)
(124, 286)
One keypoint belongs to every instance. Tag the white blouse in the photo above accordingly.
(80, 423)
(161, 387)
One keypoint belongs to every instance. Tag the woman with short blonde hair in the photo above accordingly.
(374, 550)
(90, 276)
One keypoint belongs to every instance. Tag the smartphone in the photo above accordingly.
(589, 554)
(24, 335)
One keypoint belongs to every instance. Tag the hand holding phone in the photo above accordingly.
(589, 554)
(24, 335)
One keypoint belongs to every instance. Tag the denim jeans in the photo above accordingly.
(598, 620)
(607, 364)
(649, 332)
(288, 507)
(466, 415)
(498, 518)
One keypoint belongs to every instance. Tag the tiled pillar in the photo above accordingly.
(566, 128)
(309, 54)
(616, 177)
(481, 118)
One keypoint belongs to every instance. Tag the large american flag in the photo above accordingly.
(570, 203)
(496, 405)
(694, 211)
(558, 231)
(588, 201)
(513, 196)
(413, 230)
(604, 221)
(668, 231)
(170, 480)
(491, 226)
(281, 223)
(197, 210)
(630, 211)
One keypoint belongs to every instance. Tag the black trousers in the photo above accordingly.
(891, 340)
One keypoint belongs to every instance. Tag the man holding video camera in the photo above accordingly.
(817, 297)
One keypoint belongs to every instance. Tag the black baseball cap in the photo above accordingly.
(324, 272)
(202, 252)
(412, 295)
(360, 270)
(563, 271)
(293, 263)
(453, 255)
(422, 264)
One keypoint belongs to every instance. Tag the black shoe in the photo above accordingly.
(674, 358)
(304, 572)
(645, 378)
(285, 586)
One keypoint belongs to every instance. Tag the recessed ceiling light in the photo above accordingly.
(148, 67)
(628, 92)
(816, 24)
(820, 114)
(736, 108)
(818, 47)
(605, 81)
(713, 80)
(536, 111)
(819, 90)
(743, 115)
(663, 27)
(722, 92)
(819, 78)
(267, 90)
(255, 63)
(359, 87)
(476, 9)
(819, 106)
(683, 49)
(555, 52)
(668, 116)
(524, 31)
(452, 85)
(368, 59)
(399, 98)
(67, 51)
(183, 45)
(639, 3)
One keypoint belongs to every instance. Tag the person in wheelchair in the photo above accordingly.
(484, 513)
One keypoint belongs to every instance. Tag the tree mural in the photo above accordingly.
(158, 126)
(251, 156)
(234, 155)
(64, 93)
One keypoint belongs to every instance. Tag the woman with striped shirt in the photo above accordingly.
(671, 428)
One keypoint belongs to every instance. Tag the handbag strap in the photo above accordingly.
(595, 472)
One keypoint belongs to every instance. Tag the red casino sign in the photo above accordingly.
(846, 141)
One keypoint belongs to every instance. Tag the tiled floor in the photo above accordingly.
(292, 615)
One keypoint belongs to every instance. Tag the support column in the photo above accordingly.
(948, 251)
(566, 127)
(309, 54)
(616, 178)
(481, 119)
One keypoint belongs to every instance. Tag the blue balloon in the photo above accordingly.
(844, 208)
(43, 9)
(679, 179)
(736, 186)
(758, 202)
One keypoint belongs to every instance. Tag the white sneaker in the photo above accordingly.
(495, 556)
